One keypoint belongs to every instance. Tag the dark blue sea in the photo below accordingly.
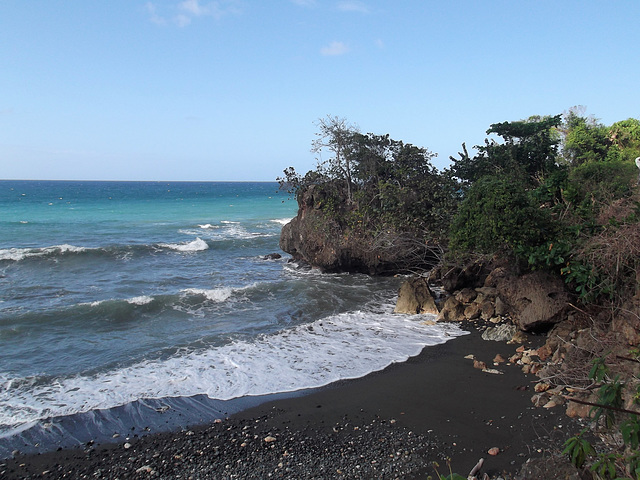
(145, 305)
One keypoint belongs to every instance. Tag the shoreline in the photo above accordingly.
(433, 406)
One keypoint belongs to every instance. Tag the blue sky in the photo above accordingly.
(230, 89)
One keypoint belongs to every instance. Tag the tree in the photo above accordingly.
(585, 139)
(625, 138)
(529, 150)
(337, 136)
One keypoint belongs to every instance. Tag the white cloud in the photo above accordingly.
(153, 14)
(334, 48)
(353, 6)
(185, 11)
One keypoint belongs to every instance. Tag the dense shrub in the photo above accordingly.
(594, 184)
(498, 212)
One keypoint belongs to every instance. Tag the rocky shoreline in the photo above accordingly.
(390, 424)
(503, 394)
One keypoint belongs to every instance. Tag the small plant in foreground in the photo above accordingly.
(451, 476)
(610, 402)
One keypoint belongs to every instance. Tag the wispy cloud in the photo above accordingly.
(304, 3)
(334, 48)
(153, 14)
(187, 10)
(353, 6)
(216, 9)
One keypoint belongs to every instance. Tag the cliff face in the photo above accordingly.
(323, 242)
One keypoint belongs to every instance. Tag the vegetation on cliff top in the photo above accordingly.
(552, 190)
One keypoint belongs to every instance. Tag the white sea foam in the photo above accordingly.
(207, 226)
(230, 230)
(339, 347)
(141, 300)
(17, 254)
(281, 221)
(214, 294)
(196, 245)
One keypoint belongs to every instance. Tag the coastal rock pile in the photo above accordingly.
(494, 291)
(510, 305)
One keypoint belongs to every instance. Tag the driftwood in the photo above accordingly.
(475, 470)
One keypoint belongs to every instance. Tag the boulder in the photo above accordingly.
(415, 296)
(487, 291)
(536, 300)
(473, 311)
(471, 275)
(487, 310)
(466, 295)
(452, 311)
(501, 307)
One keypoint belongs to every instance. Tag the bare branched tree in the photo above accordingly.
(336, 135)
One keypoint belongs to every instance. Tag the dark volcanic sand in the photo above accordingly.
(390, 424)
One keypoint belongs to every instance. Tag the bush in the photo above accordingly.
(594, 184)
(497, 212)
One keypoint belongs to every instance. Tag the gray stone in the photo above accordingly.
(501, 333)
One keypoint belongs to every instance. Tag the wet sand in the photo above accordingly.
(389, 424)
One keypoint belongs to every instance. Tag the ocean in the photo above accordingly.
(136, 307)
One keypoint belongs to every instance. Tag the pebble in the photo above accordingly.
(494, 451)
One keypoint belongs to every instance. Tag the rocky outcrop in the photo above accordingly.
(415, 297)
(536, 300)
(324, 242)
(490, 288)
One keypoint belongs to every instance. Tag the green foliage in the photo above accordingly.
(596, 183)
(497, 212)
(599, 369)
(529, 150)
(609, 402)
(625, 137)
(578, 449)
(586, 281)
(374, 183)
(605, 465)
(549, 256)
(610, 395)
(586, 142)
(451, 476)
(630, 430)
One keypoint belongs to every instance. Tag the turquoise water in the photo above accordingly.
(117, 293)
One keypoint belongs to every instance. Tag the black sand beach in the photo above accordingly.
(390, 424)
